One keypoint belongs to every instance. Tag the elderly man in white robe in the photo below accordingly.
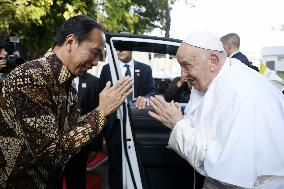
(233, 128)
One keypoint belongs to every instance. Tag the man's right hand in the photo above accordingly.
(3, 63)
(112, 97)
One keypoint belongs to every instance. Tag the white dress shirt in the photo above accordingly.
(76, 82)
(123, 70)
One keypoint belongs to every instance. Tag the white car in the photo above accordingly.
(147, 162)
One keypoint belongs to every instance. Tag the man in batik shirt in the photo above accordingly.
(40, 126)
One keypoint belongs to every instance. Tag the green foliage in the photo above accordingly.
(136, 16)
(36, 21)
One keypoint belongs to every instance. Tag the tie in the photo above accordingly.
(128, 73)
(127, 70)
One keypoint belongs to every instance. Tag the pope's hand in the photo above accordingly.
(112, 97)
(167, 113)
(141, 102)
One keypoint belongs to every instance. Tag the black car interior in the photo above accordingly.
(160, 167)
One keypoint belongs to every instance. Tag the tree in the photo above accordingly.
(36, 21)
(134, 16)
(167, 25)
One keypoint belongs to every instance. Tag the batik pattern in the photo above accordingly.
(40, 126)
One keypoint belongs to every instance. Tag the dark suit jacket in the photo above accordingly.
(241, 57)
(88, 98)
(144, 84)
(178, 94)
(88, 93)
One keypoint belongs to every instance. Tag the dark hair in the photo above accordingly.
(233, 37)
(80, 26)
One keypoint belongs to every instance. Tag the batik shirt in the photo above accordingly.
(39, 124)
(2, 77)
(1, 81)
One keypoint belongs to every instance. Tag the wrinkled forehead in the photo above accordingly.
(186, 50)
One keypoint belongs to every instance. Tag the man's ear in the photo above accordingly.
(70, 41)
(214, 62)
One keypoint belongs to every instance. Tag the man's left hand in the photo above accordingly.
(167, 113)
(141, 102)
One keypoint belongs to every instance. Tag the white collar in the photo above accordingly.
(130, 63)
(76, 81)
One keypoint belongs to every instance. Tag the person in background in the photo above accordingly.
(3, 54)
(178, 90)
(9, 59)
(40, 127)
(144, 85)
(143, 88)
(232, 137)
(231, 43)
(87, 86)
(88, 89)
(3, 64)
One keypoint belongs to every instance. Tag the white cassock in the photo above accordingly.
(234, 133)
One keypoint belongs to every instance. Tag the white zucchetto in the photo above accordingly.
(204, 40)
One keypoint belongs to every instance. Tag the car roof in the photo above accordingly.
(129, 35)
(156, 45)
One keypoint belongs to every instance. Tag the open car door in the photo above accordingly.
(147, 162)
